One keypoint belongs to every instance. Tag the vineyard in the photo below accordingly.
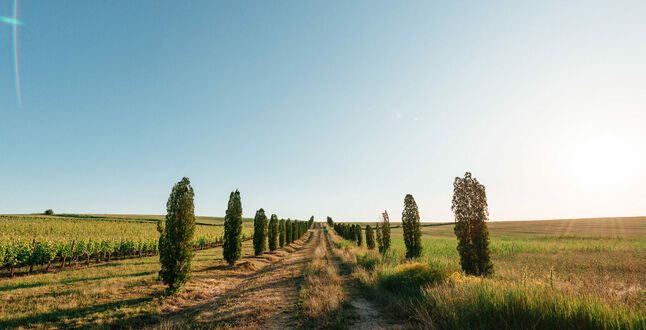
(43, 241)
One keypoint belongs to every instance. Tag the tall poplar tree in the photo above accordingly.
(273, 233)
(176, 237)
(471, 211)
(411, 226)
(232, 247)
(359, 234)
(294, 230)
(260, 232)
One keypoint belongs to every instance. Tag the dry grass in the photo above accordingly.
(323, 297)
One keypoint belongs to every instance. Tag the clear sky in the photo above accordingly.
(333, 108)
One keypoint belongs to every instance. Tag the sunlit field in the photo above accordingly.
(597, 257)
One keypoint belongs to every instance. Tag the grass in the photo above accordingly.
(584, 273)
(125, 293)
(323, 299)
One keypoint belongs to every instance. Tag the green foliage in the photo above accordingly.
(311, 222)
(470, 208)
(175, 244)
(358, 234)
(383, 233)
(288, 231)
(232, 247)
(273, 233)
(49, 212)
(411, 226)
(370, 237)
(281, 233)
(260, 232)
(294, 231)
(330, 222)
(367, 260)
(408, 278)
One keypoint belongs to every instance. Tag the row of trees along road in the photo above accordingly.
(470, 208)
(176, 234)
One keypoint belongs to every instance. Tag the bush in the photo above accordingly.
(410, 277)
(367, 261)
(49, 212)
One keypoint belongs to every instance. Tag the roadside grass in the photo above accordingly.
(323, 300)
(541, 281)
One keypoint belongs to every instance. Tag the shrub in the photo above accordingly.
(367, 260)
(260, 232)
(470, 208)
(273, 233)
(410, 277)
(176, 236)
(232, 246)
(411, 226)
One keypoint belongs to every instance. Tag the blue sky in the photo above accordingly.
(325, 107)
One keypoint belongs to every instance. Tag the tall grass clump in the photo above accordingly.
(469, 303)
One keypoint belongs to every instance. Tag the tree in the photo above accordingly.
(370, 237)
(176, 237)
(311, 222)
(294, 231)
(273, 233)
(471, 211)
(260, 232)
(49, 212)
(383, 233)
(359, 234)
(411, 226)
(330, 222)
(288, 231)
(281, 233)
(232, 246)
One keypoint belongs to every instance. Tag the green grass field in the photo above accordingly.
(588, 273)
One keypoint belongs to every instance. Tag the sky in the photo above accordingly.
(325, 108)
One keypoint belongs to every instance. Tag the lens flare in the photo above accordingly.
(15, 51)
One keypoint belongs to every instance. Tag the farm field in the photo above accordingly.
(36, 241)
(600, 257)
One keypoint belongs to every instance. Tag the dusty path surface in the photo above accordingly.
(367, 315)
(259, 292)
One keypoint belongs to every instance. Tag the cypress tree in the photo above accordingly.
(273, 233)
(370, 237)
(176, 237)
(309, 225)
(359, 235)
(260, 232)
(330, 222)
(383, 233)
(232, 247)
(281, 233)
(294, 231)
(411, 226)
(288, 231)
(471, 210)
